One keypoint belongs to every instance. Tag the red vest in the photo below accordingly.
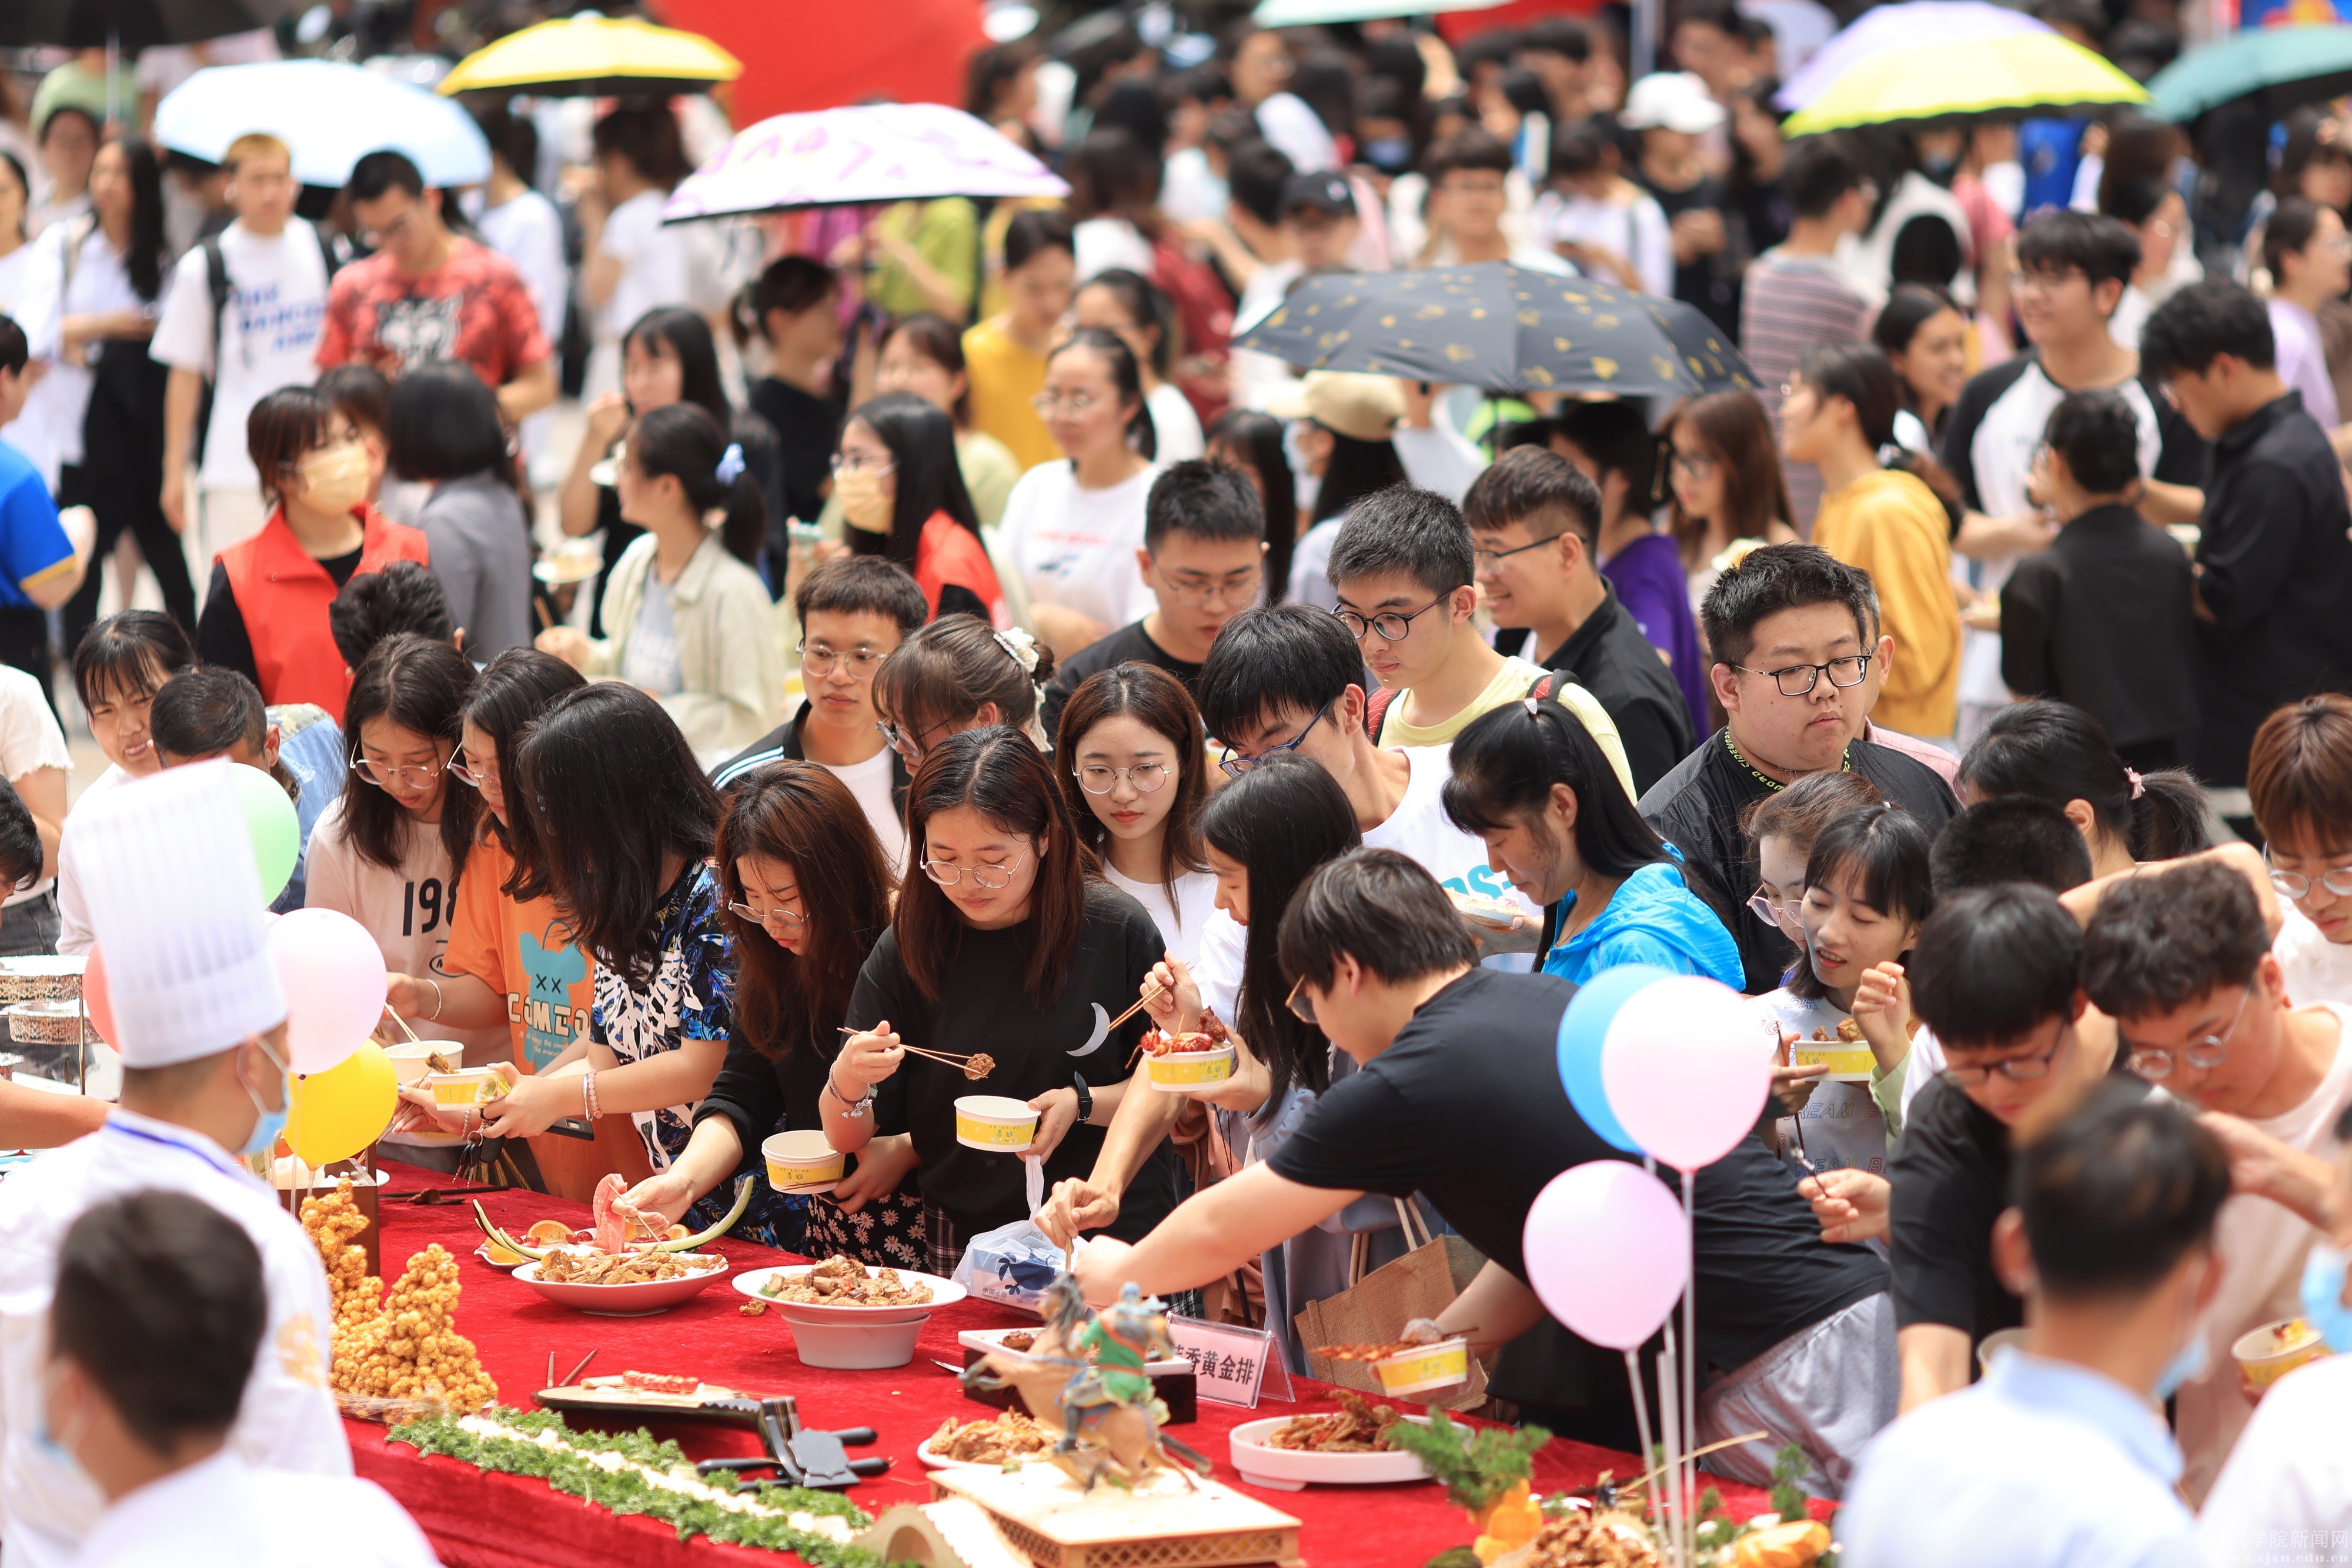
(283, 596)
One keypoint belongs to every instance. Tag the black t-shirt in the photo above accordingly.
(1127, 645)
(1950, 1176)
(806, 427)
(1608, 657)
(762, 1096)
(221, 635)
(1466, 1108)
(1710, 281)
(982, 1007)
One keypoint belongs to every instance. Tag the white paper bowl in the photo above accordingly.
(1289, 1469)
(995, 1123)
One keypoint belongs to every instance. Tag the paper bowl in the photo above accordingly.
(1996, 1344)
(1445, 1364)
(2271, 1351)
(408, 1065)
(1183, 1071)
(801, 1162)
(993, 1123)
(1288, 1469)
(467, 1086)
(1849, 1062)
(623, 1300)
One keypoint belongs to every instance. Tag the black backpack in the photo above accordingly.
(331, 251)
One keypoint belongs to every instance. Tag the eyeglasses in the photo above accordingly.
(1192, 593)
(2336, 880)
(1691, 465)
(1096, 779)
(822, 661)
(908, 743)
(2018, 1069)
(1796, 680)
(386, 776)
(1048, 404)
(1491, 556)
(2204, 1053)
(465, 772)
(1236, 765)
(859, 463)
(1784, 912)
(1301, 1005)
(781, 916)
(2044, 280)
(400, 226)
(1391, 625)
(991, 876)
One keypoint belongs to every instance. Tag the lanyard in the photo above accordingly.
(112, 1125)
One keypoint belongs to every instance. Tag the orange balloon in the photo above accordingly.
(95, 999)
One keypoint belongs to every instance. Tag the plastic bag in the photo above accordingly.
(1014, 1263)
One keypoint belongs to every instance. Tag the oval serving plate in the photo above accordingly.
(636, 1300)
(1288, 1469)
(944, 1293)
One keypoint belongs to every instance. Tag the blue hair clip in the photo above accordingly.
(730, 463)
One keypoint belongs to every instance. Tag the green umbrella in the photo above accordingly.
(2288, 66)
(1503, 328)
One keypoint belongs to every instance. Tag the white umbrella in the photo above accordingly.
(1901, 27)
(330, 115)
(1315, 12)
(879, 153)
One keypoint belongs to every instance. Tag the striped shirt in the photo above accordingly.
(1788, 304)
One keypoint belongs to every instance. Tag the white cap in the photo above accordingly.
(167, 870)
(1671, 100)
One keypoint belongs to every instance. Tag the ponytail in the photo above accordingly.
(681, 440)
(1860, 374)
(2058, 753)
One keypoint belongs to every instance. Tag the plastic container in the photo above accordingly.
(993, 1123)
(2271, 1351)
(801, 1161)
(1188, 1070)
(467, 1086)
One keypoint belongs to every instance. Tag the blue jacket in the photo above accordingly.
(1652, 919)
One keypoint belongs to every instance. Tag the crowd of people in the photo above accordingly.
(944, 634)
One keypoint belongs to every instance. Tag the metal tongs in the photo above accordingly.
(799, 1456)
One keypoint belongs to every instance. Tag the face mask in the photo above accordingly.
(1389, 154)
(2191, 1363)
(2323, 1297)
(1308, 487)
(863, 504)
(1940, 168)
(268, 1124)
(336, 480)
(56, 1450)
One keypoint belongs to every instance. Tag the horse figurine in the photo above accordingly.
(1110, 1418)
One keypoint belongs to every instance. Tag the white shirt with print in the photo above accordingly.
(268, 333)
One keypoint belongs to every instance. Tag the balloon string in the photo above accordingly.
(1642, 1426)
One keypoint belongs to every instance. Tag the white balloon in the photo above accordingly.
(1687, 1068)
(1608, 1251)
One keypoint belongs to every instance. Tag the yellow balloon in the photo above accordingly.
(337, 1113)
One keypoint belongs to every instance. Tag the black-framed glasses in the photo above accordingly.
(1391, 624)
(1692, 464)
(1096, 778)
(2336, 880)
(1236, 765)
(384, 775)
(822, 661)
(789, 919)
(1301, 1005)
(2155, 1062)
(1193, 592)
(463, 771)
(988, 876)
(1797, 680)
(1490, 557)
(2018, 1069)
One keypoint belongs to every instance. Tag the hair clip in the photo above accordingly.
(730, 463)
(1021, 647)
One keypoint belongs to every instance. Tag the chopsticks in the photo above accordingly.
(1141, 1002)
(948, 1058)
(403, 1023)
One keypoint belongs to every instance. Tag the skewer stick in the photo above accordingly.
(404, 1025)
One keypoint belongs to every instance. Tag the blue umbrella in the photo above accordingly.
(329, 115)
(2288, 66)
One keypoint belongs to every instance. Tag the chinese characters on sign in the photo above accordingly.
(1230, 1364)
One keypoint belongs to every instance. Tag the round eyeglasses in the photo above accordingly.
(2155, 1062)
(1392, 625)
(2336, 880)
(463, 772)
(1096, 779)
(409, 775)
(988, 876)
(787, 919)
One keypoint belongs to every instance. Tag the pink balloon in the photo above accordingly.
(96, 1000)
(334, 979)
(1688, 1064)
(1608, 1251)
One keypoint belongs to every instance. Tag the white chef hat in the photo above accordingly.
(166, 869)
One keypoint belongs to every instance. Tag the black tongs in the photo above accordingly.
(798, 1454)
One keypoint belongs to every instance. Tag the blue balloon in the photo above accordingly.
(1582, 1029)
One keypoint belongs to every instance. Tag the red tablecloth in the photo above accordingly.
(479, 1520)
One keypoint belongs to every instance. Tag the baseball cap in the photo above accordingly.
(1671, 100)
(1325, 193)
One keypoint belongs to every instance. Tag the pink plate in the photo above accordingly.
(623, 1300)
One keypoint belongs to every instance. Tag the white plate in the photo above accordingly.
(986, 1340)
(931, 1461)
(1288, 1469)
(636, 1300)
(944, 1293)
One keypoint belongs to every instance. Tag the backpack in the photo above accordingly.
(1376, 711)
(217, 285)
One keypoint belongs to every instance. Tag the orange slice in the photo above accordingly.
(547, 1233)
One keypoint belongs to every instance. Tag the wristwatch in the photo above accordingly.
(1086, 1097)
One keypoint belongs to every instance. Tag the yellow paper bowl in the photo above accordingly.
(993, 1123)
(1425, 1366)
(1182, 1069)
(1848, 1064)
(467, 1086)
(2271, 1351)
(801, 1161)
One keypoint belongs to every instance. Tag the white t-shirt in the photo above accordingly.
(1217, 970)
(654, 269)
(1841, 1127)
(2317, 969)
(268, 333)
(1287, 121)
(1633, 230)
(528, 232)
(2289, 1478)
(869, 783)
(2262, 1246)
(1102, 243)
(1075, 546)
(74, 935)
(226, 1513)
(1175, 424)
(1420, 829)
(1181, 921)
(29, 741)
(100, 284)
(1926, 1061)
(1310, 565)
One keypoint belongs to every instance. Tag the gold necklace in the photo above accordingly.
(1845, 762)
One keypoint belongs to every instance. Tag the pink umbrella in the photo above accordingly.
(877, 152)
(1901, 27)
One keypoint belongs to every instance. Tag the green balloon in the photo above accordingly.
(270, 822)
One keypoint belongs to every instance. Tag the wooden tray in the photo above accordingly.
(1166, 1524)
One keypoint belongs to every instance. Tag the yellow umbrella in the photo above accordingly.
(595, 57)
(2009, 74)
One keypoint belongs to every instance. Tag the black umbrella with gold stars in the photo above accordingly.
(1503, 328)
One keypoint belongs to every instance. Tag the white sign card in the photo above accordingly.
(1230, 1364)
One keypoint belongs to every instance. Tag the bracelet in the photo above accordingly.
(588, 1095)
(437, 997)
(853, 1108)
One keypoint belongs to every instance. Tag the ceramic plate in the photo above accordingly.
(621, 1301)
(1288, 1469)
(944, 1293)
(931, 1461)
